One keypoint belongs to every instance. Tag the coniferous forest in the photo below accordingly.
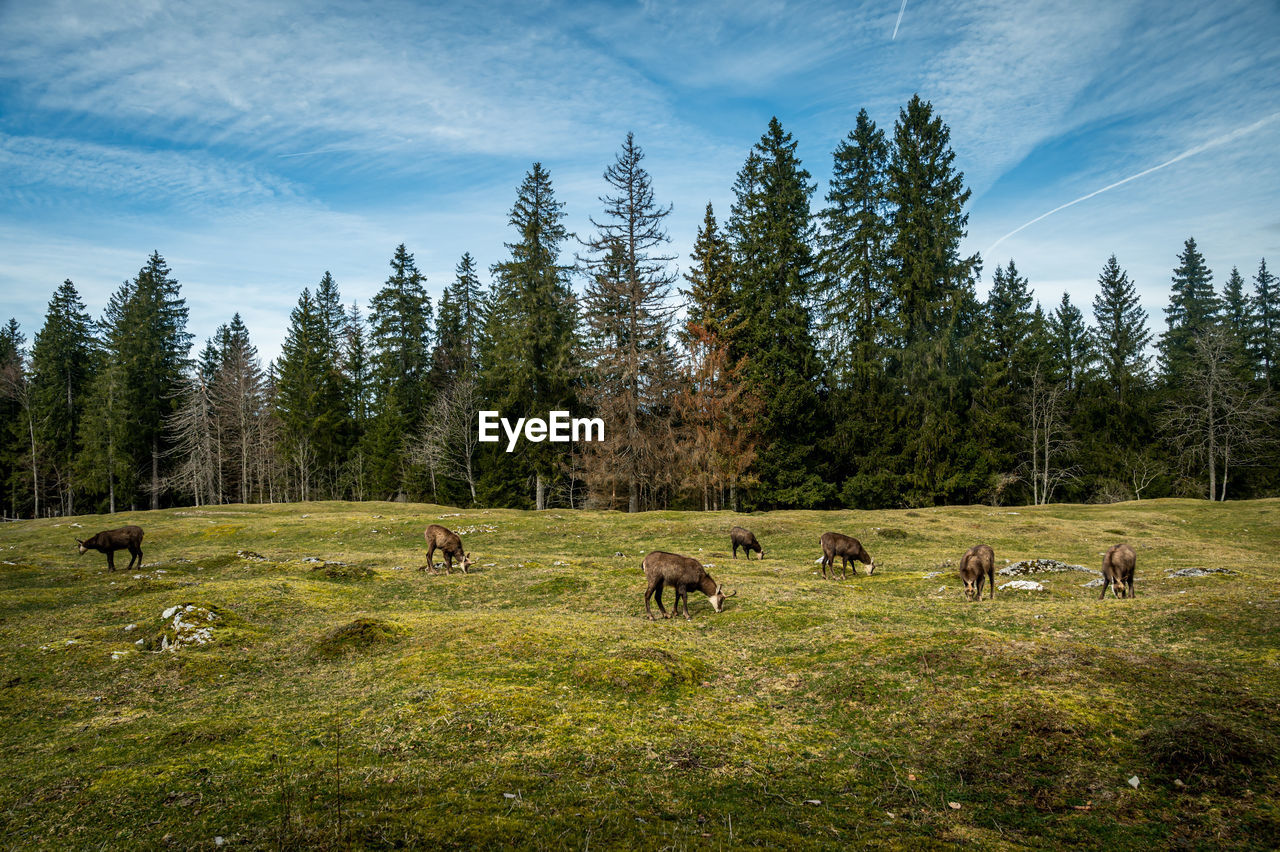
(814, 351)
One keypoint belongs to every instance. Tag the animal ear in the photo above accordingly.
(78, 541)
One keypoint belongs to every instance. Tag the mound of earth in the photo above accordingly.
(357, 635)
(186, 626)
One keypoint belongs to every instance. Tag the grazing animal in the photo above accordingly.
(450, 545)
(978, 564)
(1117, 571)
(681, 573)
(109, 541)
(835, 544)
(745, 539)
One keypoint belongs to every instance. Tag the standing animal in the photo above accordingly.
(109, 541)
(978, 564)
(745, 539)
(681, 573)
(1117, 571)
(450, 545)
(835, 544)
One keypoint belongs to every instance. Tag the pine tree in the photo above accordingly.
(460, 323)
(238, 393)
(61, 371)
(853, 292)
(358, 383)
(1070, 348)
(632, 363)
(1009, 323)
(530, 360)
(148, 337)
(709, 301)
(1237, 319)
(936, 311)
(308, 404)
(1120, 336)
(1193, 309)
(400, 337)
(1265, 337)
(15, 442)
(772, 237)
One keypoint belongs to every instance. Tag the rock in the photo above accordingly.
(1042, 566)
(1198, 572)
(932, 574)
(618, 554)
(1024, 585)
(1134, 782)
(129, 628)
(1094, 583)
(251, 556)
(188, 625)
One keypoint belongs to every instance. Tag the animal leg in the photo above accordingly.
(111, 560)
(991, 578)
(134, 554)
(1129, 585)
(648, 594)
(431, 550)
(844, 566)
(1106, 581)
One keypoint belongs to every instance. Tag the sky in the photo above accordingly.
(257, 144)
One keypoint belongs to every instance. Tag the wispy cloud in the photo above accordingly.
(1190, 152)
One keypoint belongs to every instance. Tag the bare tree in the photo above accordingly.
(14, 385)
(1049, 438)
(447, 442)
(195, 442)
(1217, 421)
(1143, 469)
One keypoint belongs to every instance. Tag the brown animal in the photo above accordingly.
(681, 573)
(1117, 571)
(835, 544)
(450, 545)
(109, 541)
(745, 539)
(978, 564)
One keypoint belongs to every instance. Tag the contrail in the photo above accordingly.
(1212, 143)
(899, 22)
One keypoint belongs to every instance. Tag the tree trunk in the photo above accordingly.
(155, 473)
(35, 470)
(633, 497)
(540, 490)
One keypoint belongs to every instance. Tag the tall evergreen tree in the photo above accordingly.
(1266, 324)
(633, 364)
(358, 382)
(530, 360)
(460, 322)
(238, 393)
(15, 461)
(309, 402)
(709, 301)
(1009, 323)
(148, 337)
(1120, 335)
(772, 236)
(400, 337)
(61, 370)
(1070, 348)
(1237, 319)
(1193, 309)
(853, 292)
(936, 310)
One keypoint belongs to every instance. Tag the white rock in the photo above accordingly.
(169, 612)
(129, 628)
(1024, 585)
(1134, 782)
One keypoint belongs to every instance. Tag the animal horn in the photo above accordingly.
(731, 594)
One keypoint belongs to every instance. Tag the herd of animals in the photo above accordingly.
(683, 573)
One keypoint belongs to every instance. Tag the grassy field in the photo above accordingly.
(530, 703)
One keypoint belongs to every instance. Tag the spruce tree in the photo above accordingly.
(629, 323)
(61, 371)
(308, 403)
(774, 266)
(1120, 333)
(1265, 337)
(1237, 319)
(935, 311)
(400, 337)
(460, 321)
(709, 301)
(148, 337)
(853, 292)
(530, 359)
(358, 383)
(1070, 348)
(1193, 309)
(15, 466)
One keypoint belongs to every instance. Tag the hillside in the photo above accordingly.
(368, 704)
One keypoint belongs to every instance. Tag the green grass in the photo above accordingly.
(530, 703)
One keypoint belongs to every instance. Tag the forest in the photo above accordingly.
(810, 353)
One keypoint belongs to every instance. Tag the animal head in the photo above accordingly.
(718, 599)
(81, 547)
(970, 588)
(467, 561)
(761, 552)
(871, 568)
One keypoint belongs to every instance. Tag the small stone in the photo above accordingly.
(129, 628)
(1134, 782)
(955, 806)
(1024, 585)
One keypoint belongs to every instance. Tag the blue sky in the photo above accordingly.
(257, 144)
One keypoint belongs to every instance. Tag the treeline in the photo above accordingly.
(829, 357)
